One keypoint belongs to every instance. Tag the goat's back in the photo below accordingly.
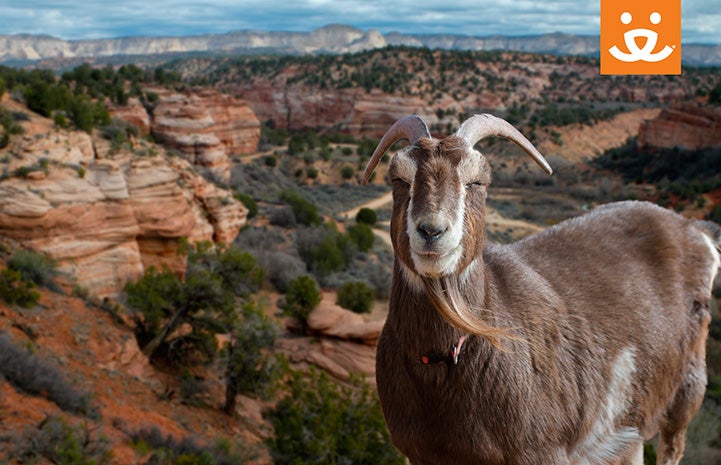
(632, 280)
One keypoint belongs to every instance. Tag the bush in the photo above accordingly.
(323, 250)
(366, 216)
(35, 267)
(301, 297)
(283, 217)
(347, 172)
(36, 376)
(14, 290)
(249, 203)
(58, 442)
(280, 268)
(305, 211)
(319, 422)
(271, 161)
(164, 449)
(362, 236)
(250, 369)
(356, 296)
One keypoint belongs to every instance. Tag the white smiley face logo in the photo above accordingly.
(641, 54)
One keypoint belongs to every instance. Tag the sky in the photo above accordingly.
(95, 19)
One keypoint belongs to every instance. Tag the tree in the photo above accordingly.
(301, 297)
(250, 369)
(356, 296)
(319, 422)
(204, 301)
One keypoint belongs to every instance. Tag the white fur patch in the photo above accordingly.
(716, 263)
(604, 442)
(448, 248)
(404, 166)
(412, 279)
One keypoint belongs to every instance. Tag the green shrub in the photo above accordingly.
(366, 216)
(311, 172)
(271, 161)
(323, 249)
(249, 203)
(39, 377)
(305, 211)
(56, 441)
(356, 296)
(165, 449)
(319, 422)
(250, 369)
(15, 290)
(362, 236)
(35, 267)
(347, 172)
(301, 297)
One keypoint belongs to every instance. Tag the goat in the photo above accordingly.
(571, 346)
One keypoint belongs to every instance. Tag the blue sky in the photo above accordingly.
(92, 19)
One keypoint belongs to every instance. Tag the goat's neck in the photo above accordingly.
(412, 294)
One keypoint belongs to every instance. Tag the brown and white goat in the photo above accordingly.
(572, 346)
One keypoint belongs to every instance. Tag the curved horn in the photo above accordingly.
(478, 127)
(411, 128)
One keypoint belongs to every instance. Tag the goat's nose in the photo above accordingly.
(430, 232)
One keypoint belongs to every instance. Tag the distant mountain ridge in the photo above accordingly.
(27, 48)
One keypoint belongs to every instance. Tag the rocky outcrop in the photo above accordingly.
(134, 113)
(354, 111)
(105, 216)
(687, 127)
(205, 127)
(344, 341)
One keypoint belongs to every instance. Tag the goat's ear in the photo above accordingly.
(478, 127)
(410, 128)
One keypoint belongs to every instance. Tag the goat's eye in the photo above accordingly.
(398, 182)
(472, 184)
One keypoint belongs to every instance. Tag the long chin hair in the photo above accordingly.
(448, 300)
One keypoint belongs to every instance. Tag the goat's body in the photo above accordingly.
(612, 346)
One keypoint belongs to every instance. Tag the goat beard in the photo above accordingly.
(447, 297)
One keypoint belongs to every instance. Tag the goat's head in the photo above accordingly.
(439, 193)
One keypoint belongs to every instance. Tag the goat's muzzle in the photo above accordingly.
(430, 232)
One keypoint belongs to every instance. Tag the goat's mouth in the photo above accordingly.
(436, 263)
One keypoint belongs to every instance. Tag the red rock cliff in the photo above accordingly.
(688, 127)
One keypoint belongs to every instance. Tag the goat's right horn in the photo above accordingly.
(478, 127)
(410, 127)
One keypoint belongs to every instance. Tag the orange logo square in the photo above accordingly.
(641, 37)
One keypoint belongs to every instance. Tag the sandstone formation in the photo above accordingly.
(205, 127)
(687, 127)
(134, 113)
(105, 215)
(354, 111)
(344, 341)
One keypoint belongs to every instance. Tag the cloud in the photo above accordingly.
(98, 19)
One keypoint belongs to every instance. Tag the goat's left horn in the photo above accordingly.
(411, 128)
(478, 127)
